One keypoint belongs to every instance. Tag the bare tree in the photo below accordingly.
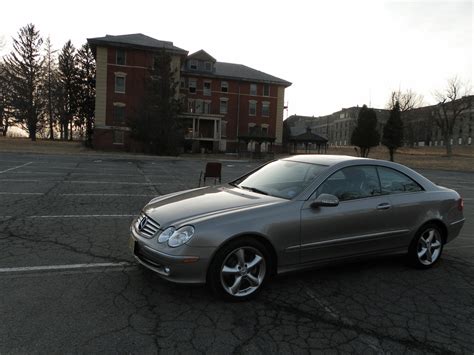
(407, 100)
(453, 101)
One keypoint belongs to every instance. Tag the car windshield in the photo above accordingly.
(281, 178)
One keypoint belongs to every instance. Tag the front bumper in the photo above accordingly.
(188, 268)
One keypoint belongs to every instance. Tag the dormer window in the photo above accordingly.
(207, 66)
(193, 64)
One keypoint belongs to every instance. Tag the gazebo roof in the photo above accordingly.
(308, 137)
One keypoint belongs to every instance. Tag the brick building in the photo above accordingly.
(227, 107)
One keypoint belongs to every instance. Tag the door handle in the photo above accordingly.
(384, 206)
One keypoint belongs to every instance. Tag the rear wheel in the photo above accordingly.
(239, 270)
(425, 250)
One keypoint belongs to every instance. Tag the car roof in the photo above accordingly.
(323, 159)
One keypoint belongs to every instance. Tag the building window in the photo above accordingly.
(223, 106)
(207, 66)
(120, 57)
(192, 86)
(253, 89)
(193, 64)
(264, 129)
(252, 108)
(266, 90)
(207, 107)
(118, 137)
(223, 129)
(265, 109)
(190, 105)
(198, 106)
(119, 113)
(207, 88)
(224, 86)
(120, 83)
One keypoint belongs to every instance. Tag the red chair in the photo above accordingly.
(213, 170)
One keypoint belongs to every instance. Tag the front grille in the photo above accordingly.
(146, 226)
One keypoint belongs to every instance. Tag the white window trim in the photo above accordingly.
(191, 62)
(119, 104)
(204, 89)
(266, 103)
(122, 134)
(226, 85)
(250, 103)
(120, 75)
(226, 100)
(269, 90)
(250, 89)
(195, 86)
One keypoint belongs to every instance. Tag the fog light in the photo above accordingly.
(167, 270)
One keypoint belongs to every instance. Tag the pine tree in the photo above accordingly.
(393, 131)
(49, 85)
(157, 125)
(68, 77)
(24, 70)
(365, 134)
(86, 71)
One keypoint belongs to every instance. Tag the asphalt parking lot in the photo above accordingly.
(68, 283)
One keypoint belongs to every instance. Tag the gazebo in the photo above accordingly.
(308, 139)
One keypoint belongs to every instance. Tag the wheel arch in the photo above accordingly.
(440, 224)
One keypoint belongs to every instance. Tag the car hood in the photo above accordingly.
(186, 206)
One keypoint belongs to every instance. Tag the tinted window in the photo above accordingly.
(394, 182)
(282, 178)
(352, 183)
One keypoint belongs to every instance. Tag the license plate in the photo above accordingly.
(131, 243)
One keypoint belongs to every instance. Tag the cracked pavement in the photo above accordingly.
(68, 283)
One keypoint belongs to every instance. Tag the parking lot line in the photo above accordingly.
(86, 216)
(113, 195)
(16, 167)
(21, 193)
(60, 267)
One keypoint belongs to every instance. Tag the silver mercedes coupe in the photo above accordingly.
(291, 214)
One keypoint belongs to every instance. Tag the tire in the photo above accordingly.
(427, 247)
(239, 270)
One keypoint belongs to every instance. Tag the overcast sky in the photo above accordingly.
(336, 53)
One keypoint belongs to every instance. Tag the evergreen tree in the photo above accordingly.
(49, 85)
(157, 125)
(365, 134)
(68, 77)
(393, 131)
(87, 70)
(24, 70)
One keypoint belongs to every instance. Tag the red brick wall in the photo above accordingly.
(233, 115)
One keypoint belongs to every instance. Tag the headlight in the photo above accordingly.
(166, 234)
(180, 236)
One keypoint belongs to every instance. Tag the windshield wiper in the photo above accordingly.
(234, 184)
(254, 189)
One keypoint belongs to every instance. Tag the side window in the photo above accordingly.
(352, 183)
(394, 182)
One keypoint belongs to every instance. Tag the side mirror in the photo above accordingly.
(325, 200)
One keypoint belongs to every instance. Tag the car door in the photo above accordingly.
(408, 203)
(360, 224)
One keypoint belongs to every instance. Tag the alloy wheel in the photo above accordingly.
(243, 271)
(429, 246)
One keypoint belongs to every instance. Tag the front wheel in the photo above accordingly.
(426, 248)
(239, 270)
